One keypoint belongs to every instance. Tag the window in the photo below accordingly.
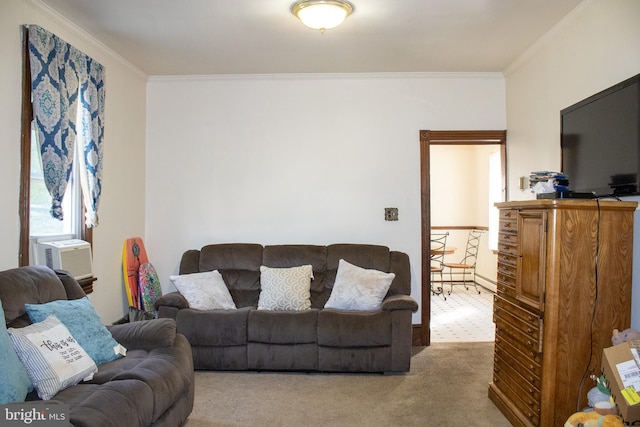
(68, 100)
(36, 223)
(495, 196)
(41, 224)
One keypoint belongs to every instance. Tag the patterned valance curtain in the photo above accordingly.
(68, 94)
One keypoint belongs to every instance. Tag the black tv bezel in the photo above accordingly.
(593, 98)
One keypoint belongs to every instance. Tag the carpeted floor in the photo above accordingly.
(447, 386)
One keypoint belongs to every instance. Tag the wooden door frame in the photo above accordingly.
(422, 332)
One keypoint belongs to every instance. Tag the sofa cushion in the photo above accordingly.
(31, 285)
(285, 288)
(71, 285)
(145, 334)
(239, 264)
(338, 328)
(244, 286)
(114, 404)
(157, 370)
(231, 256)
(215, 327)
(283, 327)
(400, 265)
(224, 358)
(14, 381)
(53, 358)
(282, 357)
(280, 256)
(83, 322)
(204, 291)
(163, 369)
(366, 256)
(354, 359)
(358, 288)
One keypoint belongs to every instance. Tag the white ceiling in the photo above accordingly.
(200, 37)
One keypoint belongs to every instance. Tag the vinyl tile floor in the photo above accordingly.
(465, 316)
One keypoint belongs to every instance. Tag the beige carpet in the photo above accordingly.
(447, 386)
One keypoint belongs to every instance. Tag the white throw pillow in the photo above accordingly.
(358, 288)
(53, 358)
(285, 288)
(204, 291)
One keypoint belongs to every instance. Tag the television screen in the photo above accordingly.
(600, 141)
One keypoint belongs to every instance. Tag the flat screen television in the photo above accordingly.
(600, 141)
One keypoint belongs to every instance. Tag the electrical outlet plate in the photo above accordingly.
(390, 214)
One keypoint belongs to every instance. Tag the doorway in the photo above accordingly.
(451, 138)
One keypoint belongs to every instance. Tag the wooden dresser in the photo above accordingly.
(554, 310)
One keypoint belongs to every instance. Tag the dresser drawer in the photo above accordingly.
(525, 355)
(506, 290)
(529, 383)
(506, 214)
(519, 339)
(508, 225)
(527, 406)
(506, 269)
(507, 242)
(505, 276)
(527, 316)
(529, 329)
(525, 363)
(507, 259)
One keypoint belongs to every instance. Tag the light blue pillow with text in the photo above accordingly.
(83, 322)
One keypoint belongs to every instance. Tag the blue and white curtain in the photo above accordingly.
(68, 94)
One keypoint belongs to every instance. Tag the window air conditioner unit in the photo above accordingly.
(72, 255)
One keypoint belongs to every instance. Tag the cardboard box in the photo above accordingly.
(611, 359)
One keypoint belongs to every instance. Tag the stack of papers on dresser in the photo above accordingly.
(549, 182)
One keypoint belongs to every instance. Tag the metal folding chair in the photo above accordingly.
(438, 249)
(467, 266)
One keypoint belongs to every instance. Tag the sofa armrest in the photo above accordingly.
(145, 334)
(399, 302)
(172, 299)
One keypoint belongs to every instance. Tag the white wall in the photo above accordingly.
(122, 205)
(596, 46)
(298, 158)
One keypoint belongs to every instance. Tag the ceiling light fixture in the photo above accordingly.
(322, 14)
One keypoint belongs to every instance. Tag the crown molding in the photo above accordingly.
(330, 76)
(49, 13)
